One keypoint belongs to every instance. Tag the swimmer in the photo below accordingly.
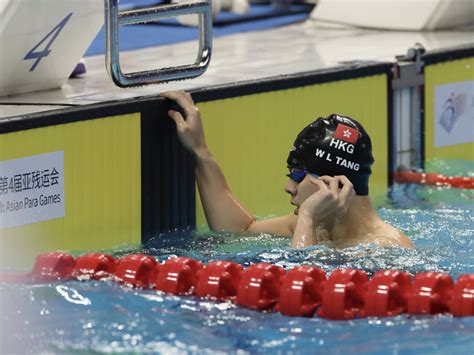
(329, 169)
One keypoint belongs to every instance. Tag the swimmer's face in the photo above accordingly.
(299, 187)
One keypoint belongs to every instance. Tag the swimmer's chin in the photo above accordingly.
(295, 212)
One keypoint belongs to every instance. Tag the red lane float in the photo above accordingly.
(344, 294)
(96, 266)
(431, 293)
(462, 303)
(260, 286)
(387, 294)
(301, 291)
(137, 270)
(52, 266)
(219, 280)
(178, 276)
(411, 177)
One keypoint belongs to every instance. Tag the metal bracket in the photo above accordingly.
(407, 85)
(408, 71)
(113, 20)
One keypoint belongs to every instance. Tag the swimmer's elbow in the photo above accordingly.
(249, 227)
(408, 244)
(233, 227)
(405, 242)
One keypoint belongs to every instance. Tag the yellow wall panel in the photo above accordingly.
(102, 174)
(250, 136)
(439, 74)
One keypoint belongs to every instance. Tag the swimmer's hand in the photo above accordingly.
(330, 201)
(189, 128)
(318, 213)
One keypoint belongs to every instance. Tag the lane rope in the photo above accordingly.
(302, 291)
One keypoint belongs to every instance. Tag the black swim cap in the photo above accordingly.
(335, 145)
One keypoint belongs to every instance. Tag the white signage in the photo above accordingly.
(454, 113)
(31, 189)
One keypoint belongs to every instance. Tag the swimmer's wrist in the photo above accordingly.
(202, 153)
(306, 220)
(303, 236)
(307, 214)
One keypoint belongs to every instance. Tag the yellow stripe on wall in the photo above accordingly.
(250, 136)
(102, 172)
(439, 74)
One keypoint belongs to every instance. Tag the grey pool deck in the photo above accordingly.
(245, 56)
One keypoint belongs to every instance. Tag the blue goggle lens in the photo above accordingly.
(297, 175)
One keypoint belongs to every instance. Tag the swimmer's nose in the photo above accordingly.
(290, 187)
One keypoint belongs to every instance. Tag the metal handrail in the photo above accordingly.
(114, 18)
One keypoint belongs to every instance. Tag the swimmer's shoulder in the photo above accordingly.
(388, 235)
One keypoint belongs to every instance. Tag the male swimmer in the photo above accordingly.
(330, 165)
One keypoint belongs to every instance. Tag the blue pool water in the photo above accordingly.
(90, 317)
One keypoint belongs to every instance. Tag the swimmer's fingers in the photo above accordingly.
(178, 119)
(189, 97)
(176, 95)
(188, 122)
(347, 190)
(326, 178)
(333, 183)
(340, 186)
(183, 99)
(321, 184)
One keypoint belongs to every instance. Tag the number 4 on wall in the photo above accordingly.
(45, 52)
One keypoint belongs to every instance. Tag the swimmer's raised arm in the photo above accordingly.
(223, 210)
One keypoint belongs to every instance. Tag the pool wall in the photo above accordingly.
(128, 179)
(102, 187)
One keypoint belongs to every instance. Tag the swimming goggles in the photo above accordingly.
(299, 175)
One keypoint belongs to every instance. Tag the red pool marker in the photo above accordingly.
(344, 294)
(301, 291)
(178, 276)
(137, 270)
(412, 177)
(462, 303)
(387, 294)
(97, 266)
(260, 286)
(431, 293)
(219, 280)
(52, 266)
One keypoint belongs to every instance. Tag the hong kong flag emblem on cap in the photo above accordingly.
(346, 133)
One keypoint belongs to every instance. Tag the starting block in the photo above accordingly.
(42, 41)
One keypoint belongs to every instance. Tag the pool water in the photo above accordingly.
(90, 317)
